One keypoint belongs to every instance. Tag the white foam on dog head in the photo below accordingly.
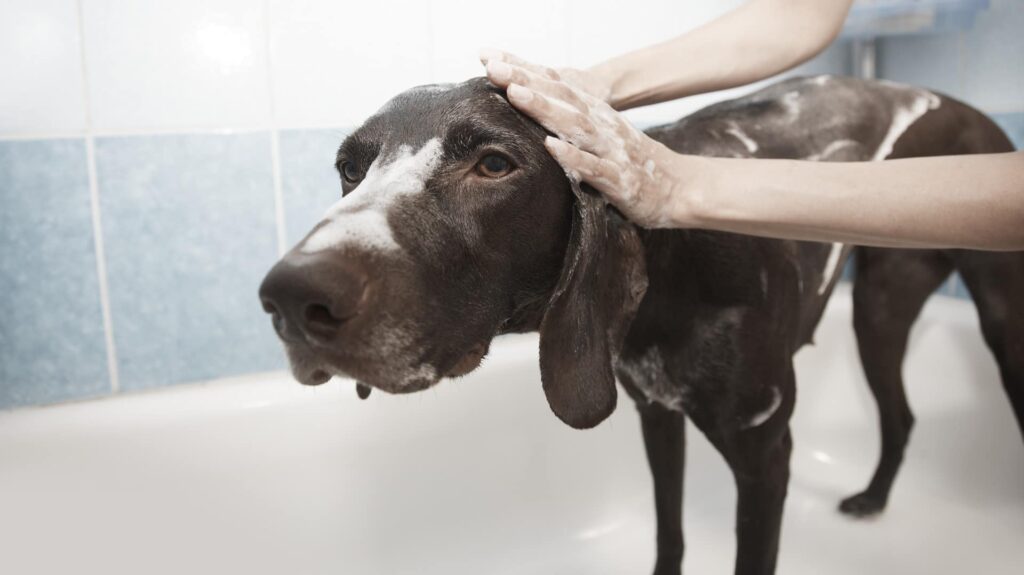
(361, 217)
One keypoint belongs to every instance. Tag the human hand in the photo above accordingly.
(588, 82)
(595, 143)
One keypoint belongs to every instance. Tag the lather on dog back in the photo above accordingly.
(456, 226)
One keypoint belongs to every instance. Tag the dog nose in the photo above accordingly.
(312, 295)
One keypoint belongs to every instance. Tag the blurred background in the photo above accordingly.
(157, 157)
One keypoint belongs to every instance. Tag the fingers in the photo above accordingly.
(556, 116)
(488, 55)
(600, 173)
(502, 74)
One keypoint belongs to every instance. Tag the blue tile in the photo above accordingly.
(993, 68)
(52, 345)
(189, 229)
(1013, 125)
(959, 290)
(309, 182)
(849, 269)
(836, 59)
(928, 61)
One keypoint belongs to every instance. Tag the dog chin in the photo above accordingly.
(308, 371)
(310, 376)
(468, 362)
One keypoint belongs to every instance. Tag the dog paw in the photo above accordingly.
(862, 505)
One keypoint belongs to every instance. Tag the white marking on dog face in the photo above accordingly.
(820, 80)
(425, 372)
(763, 416)
(830, 267)
(735, 131)
(388, 343)
(902, 118)
(361, 217)
(831, 149)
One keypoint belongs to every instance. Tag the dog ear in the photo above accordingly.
(603, 280)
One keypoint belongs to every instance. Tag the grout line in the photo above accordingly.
(275, 166)
(101, 265)
(94, 206)
(275, 138)
(207, 130)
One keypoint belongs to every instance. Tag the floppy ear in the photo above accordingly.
(603, 279)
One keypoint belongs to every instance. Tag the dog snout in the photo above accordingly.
(310, 297)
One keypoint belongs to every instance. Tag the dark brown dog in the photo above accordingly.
(456, 226)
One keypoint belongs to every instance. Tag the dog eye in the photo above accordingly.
(350, 172)
(493, 166)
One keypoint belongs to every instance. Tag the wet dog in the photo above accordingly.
(456, 226)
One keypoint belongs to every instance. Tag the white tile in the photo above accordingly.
(834, 60)
(602, 29)
(533, 29)
(335, 63)
(40, 67)
(181, 65)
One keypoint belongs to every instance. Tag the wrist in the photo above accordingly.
(694, 184)
(610, 78)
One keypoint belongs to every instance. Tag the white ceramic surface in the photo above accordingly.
(40, 67)
(260, 475)
(187, 65)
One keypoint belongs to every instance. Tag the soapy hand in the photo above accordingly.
(595, 143)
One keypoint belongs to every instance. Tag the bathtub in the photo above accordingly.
(260, 475)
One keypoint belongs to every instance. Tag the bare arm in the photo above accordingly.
(949, 201)
(942, 202)
(974, 202)
(755, 41)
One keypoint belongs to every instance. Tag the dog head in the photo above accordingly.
(455, 225)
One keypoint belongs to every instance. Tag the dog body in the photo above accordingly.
(437, 247)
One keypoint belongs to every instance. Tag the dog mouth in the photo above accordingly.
(468, 362)
(315, 377)
(312, 371)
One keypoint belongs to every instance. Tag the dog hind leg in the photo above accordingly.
(996, 283)
(890, 288)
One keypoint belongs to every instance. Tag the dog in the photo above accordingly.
(455, 226)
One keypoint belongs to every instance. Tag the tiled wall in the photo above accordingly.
(983, 66)
(156, 157)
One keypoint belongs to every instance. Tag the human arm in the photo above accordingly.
(971, 201)
(757, 40)
(974, 201)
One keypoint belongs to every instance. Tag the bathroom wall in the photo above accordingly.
(983, 66)
(155, 158)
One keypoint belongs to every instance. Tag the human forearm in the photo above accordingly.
(755, 41)
(952, 201)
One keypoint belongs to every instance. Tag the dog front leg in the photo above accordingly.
(665, 441)
(761, 482)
